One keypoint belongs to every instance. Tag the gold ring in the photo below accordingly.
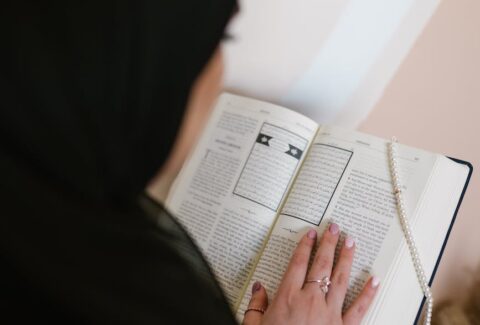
(260, 310)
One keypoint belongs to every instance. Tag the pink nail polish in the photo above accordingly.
(312, 234)
(256, 286)
(333, 228)
(349, 241)
(375, 281)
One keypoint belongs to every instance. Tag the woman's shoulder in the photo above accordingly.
(79, 259)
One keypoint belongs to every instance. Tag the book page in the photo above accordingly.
(430, 225)
(346, 179)
(229, 192)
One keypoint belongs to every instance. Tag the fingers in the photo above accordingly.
(357, 310)
(323, 262)
(297, 269)
(258, 302)
(341, 275)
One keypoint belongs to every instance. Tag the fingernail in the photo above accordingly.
(333, 228)
(312, 233)
(256, 286)
(375, 281)
(349, 241)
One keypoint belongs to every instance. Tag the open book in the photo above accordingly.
(261, 175)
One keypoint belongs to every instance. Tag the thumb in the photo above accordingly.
(257, 305)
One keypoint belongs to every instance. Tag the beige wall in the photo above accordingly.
(433, 102)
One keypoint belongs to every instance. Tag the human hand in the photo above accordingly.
(298, 302)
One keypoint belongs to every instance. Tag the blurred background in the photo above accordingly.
(399, 67)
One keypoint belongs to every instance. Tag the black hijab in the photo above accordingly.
(92, 95)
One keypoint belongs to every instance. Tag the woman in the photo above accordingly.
(93, 96)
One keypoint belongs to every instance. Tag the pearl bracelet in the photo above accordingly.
(407, 230)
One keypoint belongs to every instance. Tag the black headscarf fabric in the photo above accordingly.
(92, 95)
(93, 91)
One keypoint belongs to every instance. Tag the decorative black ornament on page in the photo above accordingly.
(263, 139)
(294, 152)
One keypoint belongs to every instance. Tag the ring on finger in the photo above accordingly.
(260, 310)
(323, 283)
